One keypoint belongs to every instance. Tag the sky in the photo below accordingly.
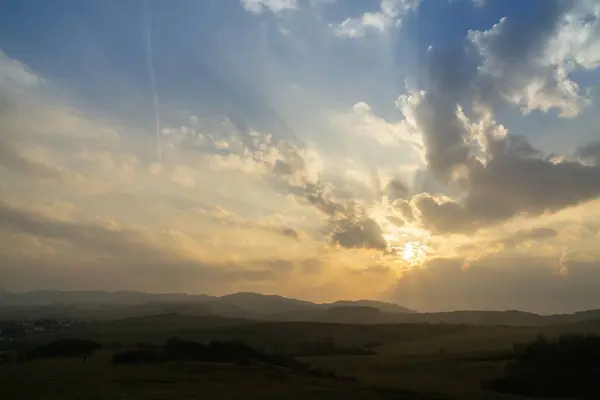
(441, 154)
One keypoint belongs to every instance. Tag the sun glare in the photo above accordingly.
(407, 244)
(409, 252)
(412, 252)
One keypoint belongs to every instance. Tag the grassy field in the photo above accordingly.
(411, 361)
(98, 378)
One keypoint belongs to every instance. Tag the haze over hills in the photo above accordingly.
(256, 306)
(240, 303)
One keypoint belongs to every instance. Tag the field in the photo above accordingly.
(411, 361)
(98, 378)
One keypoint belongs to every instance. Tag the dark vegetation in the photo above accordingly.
(61, 348)
(326, 346)
(176, 349)
(568, 366)
(225, 357)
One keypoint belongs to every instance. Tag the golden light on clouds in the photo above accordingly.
(327, 191)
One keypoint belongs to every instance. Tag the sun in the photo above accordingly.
(412, 252)
(407, 243)
(409, 252)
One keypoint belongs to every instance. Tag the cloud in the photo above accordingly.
(362, 121)
(527, 235)
(476, 3)
(499, 283)
(289, 232)
(531, 65)
(15, 75)
(358, 232)
(499, 175)
(390, 12)
(516, 62)
(91, 236)
(297, 171)
(348, 223)
(15, 160)
(509, 186)
(589, 154)
(275, 6)
(108, 250)
(436, 117)
(396, 189)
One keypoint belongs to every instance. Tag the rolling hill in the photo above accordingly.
(101, 305)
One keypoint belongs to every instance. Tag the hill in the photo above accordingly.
(100, 305)
(110, 305)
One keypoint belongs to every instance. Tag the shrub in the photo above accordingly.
(63, 348)
(137, 356)
(566, 366)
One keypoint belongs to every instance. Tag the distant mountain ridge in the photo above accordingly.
(254, 306)
(255, 303)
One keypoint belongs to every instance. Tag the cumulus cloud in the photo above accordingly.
(530, 65)
(507, 187)
(502, 175)
(290, 169)
(348, 223)
(250, 207)
(390, 12)
(362, 121)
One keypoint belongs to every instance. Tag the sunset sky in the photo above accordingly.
(441, 154)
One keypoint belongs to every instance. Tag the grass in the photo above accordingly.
(98, 378)
(412, 361)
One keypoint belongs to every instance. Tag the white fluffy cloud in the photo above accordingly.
(362, 121)
(390, 12)
(558, 44)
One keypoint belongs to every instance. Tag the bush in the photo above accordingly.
(63, 348)
(137, 356)
(564, 367)
(176, 349)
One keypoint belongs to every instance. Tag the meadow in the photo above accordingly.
(424, 361)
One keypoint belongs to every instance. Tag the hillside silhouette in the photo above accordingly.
(97, 305)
